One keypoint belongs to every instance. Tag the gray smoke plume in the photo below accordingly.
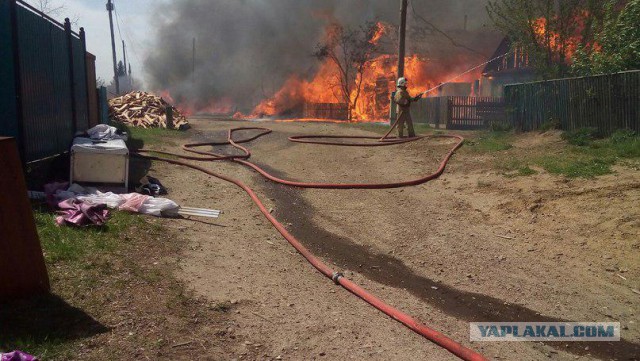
(246, 49)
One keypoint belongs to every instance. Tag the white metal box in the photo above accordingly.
(99, 162)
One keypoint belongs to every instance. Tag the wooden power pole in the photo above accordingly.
(113, 47)
(401, 40)
(124, 55)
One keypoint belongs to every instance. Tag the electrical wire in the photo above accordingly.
(468, 71)
(442, 32)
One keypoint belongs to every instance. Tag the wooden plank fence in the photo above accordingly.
(338, 111)
(468, 113)
(606, 102)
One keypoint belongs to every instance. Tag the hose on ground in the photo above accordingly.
(431, 334)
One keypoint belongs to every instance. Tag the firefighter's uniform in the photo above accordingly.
(403, 100)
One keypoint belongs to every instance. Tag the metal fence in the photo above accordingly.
(44, 98)
(605, 102)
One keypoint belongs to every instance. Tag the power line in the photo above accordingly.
(468, 71)
(130, 39)
(117, 19)
(441, 32)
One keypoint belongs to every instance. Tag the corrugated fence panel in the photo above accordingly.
(606, 102)
(80, 85)
(38, 107)
(46, 85)
(8, 111)
(61, 80)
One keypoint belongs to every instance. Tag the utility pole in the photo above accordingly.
(193, 62)
(401, 40)
(124, 54)
(113, 47)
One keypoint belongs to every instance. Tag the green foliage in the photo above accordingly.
(490, 142)
(68, 244)
(580, 137)
(545, 29)
(617, 39)
(574, 168)
(549, 125)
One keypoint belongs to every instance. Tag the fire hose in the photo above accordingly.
(337, 277)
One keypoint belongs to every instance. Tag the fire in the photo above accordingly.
(568, 46)
(372, 102)
(378, 81)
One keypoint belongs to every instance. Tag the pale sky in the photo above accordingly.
(135, 28)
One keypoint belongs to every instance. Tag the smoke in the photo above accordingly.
(246, 49)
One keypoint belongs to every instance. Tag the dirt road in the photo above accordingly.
(472, 245)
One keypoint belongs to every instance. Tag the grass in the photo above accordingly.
(490, 141)
(71, 244)
(143, 137)
(583, 156)
(102, 279)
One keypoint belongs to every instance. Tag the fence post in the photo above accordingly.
(449, 112)
(74, 113)
(15, 40)
(83, 40)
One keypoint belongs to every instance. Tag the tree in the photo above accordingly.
(617, 41)
(121, 71)
(49, 7)
(54, 8)
(349, 49)
(549, 31)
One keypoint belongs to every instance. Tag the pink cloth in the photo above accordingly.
(50, 190)
(17, 356)
(133, 202)
(78, 213)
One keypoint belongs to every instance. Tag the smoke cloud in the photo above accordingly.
(246, 49)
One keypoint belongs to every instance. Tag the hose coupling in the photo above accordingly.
(336, 277)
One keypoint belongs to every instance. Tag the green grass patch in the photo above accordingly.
(144, 137)
(515, 168)
(580, 137)
(68, 244)
(585, 155)
(576, 168)
(488, 142)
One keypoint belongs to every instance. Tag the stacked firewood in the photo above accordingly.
(141, 109)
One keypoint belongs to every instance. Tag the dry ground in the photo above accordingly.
(473, 245)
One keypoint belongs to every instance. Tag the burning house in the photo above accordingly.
(506, 69)
(259, 61)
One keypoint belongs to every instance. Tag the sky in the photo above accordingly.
(134, 19)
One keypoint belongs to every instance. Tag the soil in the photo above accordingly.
(472, 245)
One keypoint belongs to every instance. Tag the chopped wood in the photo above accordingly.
(141, 109)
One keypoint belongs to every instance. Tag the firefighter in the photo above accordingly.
(403, 100)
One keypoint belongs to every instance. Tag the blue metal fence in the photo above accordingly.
(48, 81)
(606, 102)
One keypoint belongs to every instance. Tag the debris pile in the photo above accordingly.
(141, 109)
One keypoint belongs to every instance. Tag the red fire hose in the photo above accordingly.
(432, 335)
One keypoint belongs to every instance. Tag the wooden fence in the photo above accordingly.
(456, 112)
(605, 102)
(468, 113)
(338, 111)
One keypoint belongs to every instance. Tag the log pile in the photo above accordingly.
(141, 109)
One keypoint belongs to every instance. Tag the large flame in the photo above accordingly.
(377, 83)
(563, 47)
(373, 98)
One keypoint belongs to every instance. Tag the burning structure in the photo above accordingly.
(507, 69)
(257, 61)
